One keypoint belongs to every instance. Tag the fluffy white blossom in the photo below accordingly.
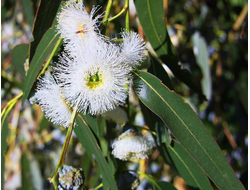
(77, 26)
(94, 72)
(133, 145)
(133, 49)
(49, 96)
(96, 78)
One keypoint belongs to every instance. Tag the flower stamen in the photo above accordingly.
(94, 80)
(81, 31)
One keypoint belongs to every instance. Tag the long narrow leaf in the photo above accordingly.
(88, 141)
(44, 48)
(187, 167)
(187, 128)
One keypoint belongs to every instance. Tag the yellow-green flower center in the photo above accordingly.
(94, 80)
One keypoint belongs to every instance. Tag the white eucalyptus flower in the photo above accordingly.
(76, 25)
(133, 145)
(96, 78)
(133, 49)
(49, 96)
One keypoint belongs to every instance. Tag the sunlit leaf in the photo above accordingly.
(202, 58)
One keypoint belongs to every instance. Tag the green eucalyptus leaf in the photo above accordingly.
(45, 46)
(87, 138)
(187, 167)
(92, 122)
(187, 128)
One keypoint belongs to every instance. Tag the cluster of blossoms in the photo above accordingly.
(93, 74)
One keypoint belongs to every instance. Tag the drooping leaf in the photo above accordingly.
(187, 167)
(45, 15)
(151, 16)
(187, 128)
(45, 46)
(18, 57)
(87, 138)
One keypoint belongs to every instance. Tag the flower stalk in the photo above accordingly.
(119, 14)
(127, 15)
(107, 13)
(61, 161)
